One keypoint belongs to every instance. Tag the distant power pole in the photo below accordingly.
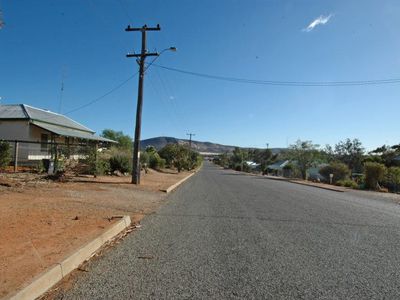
(141, 58)
(1, 19)
(190, 139)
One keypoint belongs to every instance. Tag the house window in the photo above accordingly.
(43, 142)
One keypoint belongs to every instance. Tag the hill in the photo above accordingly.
(205, 147)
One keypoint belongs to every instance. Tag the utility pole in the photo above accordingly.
(190, 139)
(140, 59)
(190, 148)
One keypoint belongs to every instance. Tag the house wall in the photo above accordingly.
(22, 130)
(30, 153)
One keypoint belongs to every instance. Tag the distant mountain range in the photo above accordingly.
(204, 147)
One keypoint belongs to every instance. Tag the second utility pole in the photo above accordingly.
(142, 56)
(190, 139)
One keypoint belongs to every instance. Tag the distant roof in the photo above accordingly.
(278, 165)
(50, 121)
(251, 163)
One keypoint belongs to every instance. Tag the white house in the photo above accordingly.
(36, 128)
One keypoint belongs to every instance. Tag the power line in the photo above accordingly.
(102, 96)
(285, 83)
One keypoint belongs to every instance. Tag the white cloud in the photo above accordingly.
(321, 20)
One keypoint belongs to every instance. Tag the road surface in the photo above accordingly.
(226, 235)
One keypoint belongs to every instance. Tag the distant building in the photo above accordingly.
(277, 168)
(252, 165)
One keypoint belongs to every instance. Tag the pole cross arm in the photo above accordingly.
(144, 28)
(144, 55)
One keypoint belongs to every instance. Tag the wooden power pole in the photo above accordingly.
(190, 139)
(140, 59)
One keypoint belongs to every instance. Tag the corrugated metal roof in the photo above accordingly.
(23, 111)
(12, 112)
(278, 165)
(53, 118)
(53, 122)
(63, 131)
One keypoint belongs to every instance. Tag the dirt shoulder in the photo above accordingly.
(41, 221)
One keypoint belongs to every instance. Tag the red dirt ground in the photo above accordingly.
(42, 222)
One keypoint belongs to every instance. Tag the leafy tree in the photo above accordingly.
(396, 148)
(179, 156)
(261, 156)
(351, 153)
(222, 159)
(384, 154)
(169, 153)
(124, 141)
(238, 158)
(305, 154)
(151, 149)
(329, 153)
(181, 160)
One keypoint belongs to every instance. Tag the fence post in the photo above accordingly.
(96, 148)
(55, 157)
(16, 144)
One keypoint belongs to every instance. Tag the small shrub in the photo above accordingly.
(102, 166)
(144, 158)
(5, 154)
(347, 183)
(156, 162)
(339, 170)
(120, 162)
(374, 173)
(392, 180)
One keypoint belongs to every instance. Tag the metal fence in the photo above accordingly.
(39, 155)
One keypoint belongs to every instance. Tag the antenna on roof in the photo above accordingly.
(61, 91)
(1, 19)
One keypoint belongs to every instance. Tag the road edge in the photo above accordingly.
(324, 187)
(43, 282)
(175, 185)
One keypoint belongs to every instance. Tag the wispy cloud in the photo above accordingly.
(321, 20)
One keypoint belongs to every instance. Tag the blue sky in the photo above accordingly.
(85, 40)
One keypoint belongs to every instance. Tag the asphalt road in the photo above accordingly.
(225, 235)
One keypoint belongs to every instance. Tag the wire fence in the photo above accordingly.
(47, 156)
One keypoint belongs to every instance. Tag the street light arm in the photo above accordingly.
(153, 61)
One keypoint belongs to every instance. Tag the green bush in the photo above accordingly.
(102, 166)
(120, 162)
(169, 153)
(392, 180)
(5, 154)
(347, 183)
(144, 158)
(374, 173)
(339, 170)
(156, 162)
